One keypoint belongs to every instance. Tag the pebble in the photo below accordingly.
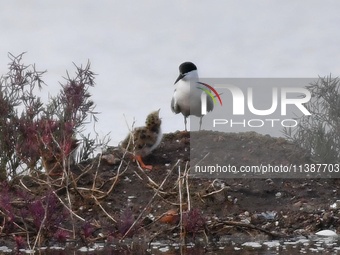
(335, 205)
(85, 249)
(164, 249)
(278, 194)
(252, 244)
(5, 249)
(27, 251)
(269, 181)
(326, 232)
(272, 244)
(57, 248)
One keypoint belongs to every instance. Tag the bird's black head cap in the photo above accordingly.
(187, 67)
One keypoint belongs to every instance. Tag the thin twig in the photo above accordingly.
(69, 209)
(180, 207)
(186, 174)
(250, 226)
(152, 183)
(213, 192)
(101, 207)
(38, 236)
(149, 203)
(115, 179)
(21, 182)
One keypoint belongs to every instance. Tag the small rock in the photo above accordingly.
(170, 217)
(269, 181)
(252, 244)
(272, 244)
(297, 204)
(326, 232)
(278, 195)
(164, 249)
(269, 215)
(111, 159)
(335, 205)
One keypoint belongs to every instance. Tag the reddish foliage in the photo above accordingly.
(41, 130)
(193, 221)
(20, 242)
(125, 221)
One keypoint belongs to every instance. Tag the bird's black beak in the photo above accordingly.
(180, 76)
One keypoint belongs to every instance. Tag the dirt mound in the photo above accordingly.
(111, 198)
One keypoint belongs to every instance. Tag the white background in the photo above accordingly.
(135, 47)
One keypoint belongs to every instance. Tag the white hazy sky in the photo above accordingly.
(136, 47)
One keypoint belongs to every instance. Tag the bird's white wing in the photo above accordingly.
(174, 106)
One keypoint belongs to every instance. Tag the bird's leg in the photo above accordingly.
(200, 123)
(139, 159)
(185, 123)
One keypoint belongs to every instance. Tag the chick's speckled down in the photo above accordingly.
(143, 140)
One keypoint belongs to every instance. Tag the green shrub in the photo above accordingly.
(319, 133)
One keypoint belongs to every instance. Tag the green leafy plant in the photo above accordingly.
(319, 133)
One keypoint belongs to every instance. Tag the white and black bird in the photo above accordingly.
(187, 95)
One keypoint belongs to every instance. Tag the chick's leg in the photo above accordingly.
(139, 159)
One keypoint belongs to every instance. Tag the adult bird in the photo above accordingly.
(187, 98)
